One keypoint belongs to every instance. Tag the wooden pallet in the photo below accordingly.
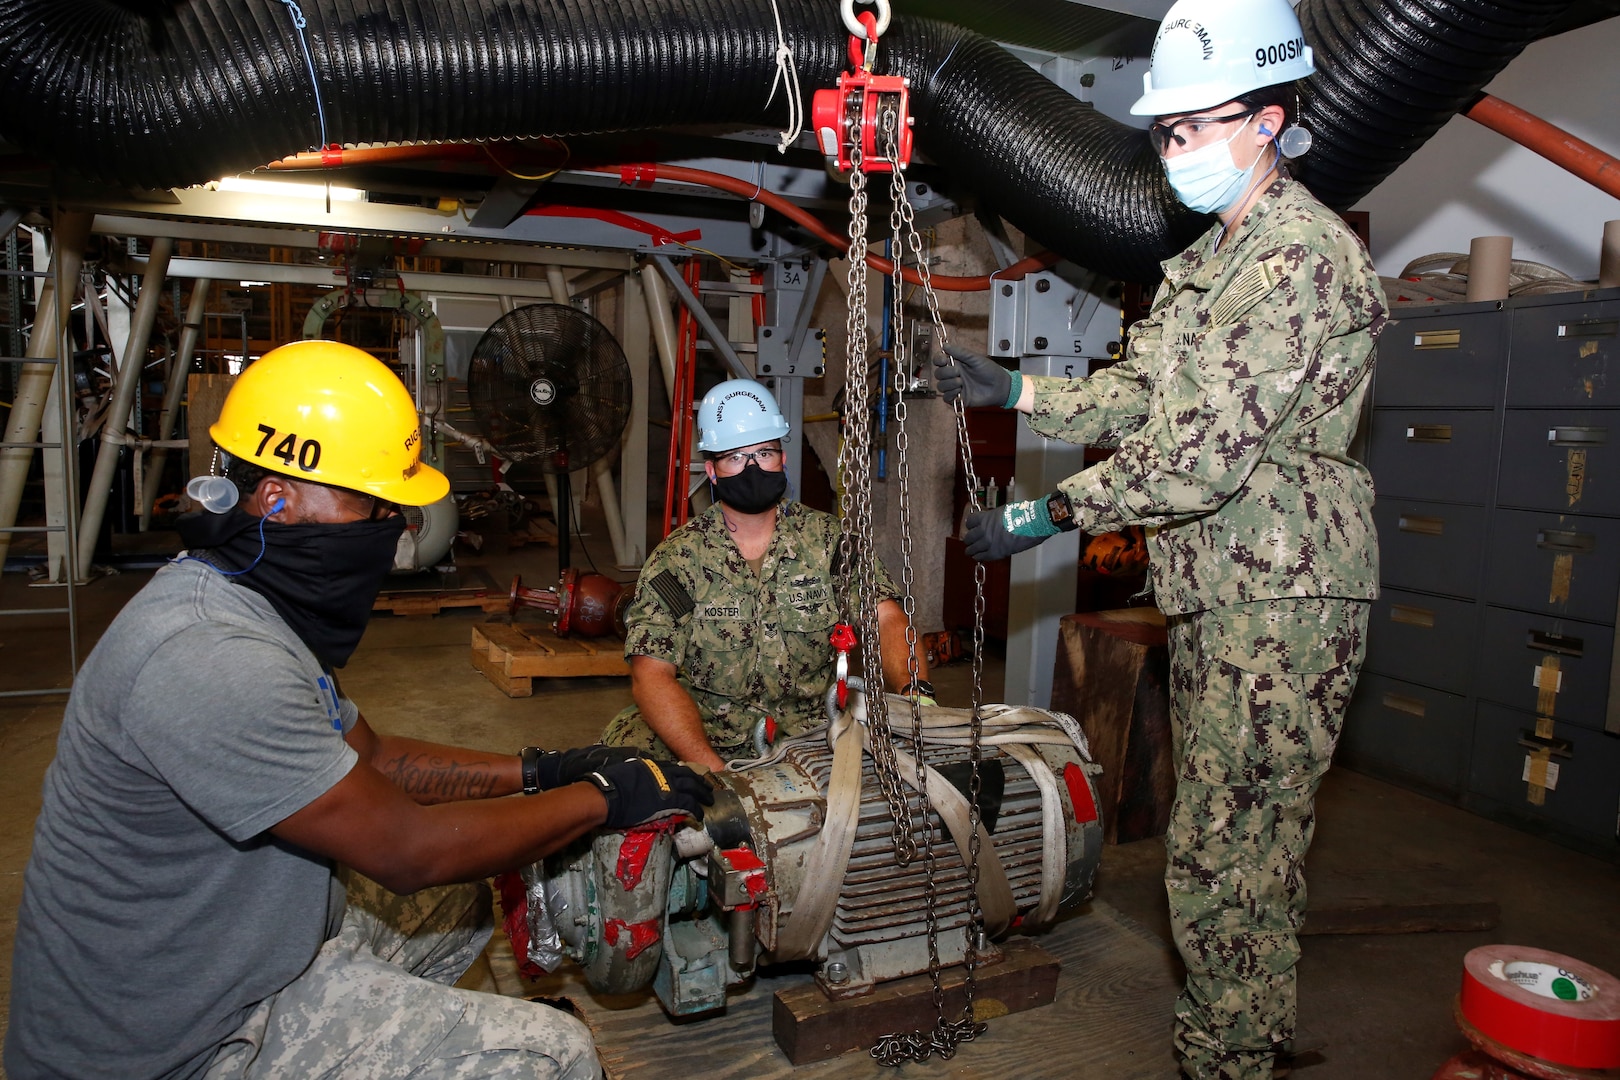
(432, 603)
(512, 656)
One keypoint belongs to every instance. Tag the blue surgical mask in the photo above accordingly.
(1207, 179)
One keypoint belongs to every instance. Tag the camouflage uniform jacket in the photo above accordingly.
(1233, 410)
(749, 644)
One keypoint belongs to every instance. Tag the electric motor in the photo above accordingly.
(792, 864)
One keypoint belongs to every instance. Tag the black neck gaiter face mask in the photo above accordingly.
(752, 491)
(322, 579)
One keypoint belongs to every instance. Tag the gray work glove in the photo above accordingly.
(990, 536)
(978, 381)
(642, 790)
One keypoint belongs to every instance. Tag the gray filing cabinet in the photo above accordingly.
(1494, 444)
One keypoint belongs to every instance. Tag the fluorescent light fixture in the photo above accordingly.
(250, 284)
(248, 185)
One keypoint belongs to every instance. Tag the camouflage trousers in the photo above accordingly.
(628, 729)
(377, 1001)
(1257, 693)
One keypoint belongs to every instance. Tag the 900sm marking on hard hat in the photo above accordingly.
(307, 451)
(1280, 52)
(543, 391)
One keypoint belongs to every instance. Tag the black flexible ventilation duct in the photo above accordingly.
(162, 93)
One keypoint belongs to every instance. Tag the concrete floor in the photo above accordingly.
(1380, 1006)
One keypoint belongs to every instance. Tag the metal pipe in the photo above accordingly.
(1553, 143)
(686, 296)
(173, 390)
(663, 325)
(740, 938)
(128, 380)
(72, 232)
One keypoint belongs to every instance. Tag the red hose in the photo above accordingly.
(1553, 143)
(337, 157)
(647, 173)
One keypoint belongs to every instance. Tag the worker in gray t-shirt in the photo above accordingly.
(183, 913)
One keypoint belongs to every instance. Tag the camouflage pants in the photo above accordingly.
(628, 729)
(377, 1001)
(1258, 693)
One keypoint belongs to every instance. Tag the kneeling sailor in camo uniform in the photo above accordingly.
(733, 611)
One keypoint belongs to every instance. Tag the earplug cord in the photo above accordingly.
(262, 545)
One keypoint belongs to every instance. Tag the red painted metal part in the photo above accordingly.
(637, 936)
(744, 861)
(1085, 807)
(636, 848)
(585, 604)
(676, 505)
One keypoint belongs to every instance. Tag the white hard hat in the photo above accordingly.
(1209, 52)
(739, 412)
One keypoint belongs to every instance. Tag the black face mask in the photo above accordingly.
(752, 491)
(322, 579)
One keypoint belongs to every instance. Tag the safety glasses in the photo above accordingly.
(1161, 135)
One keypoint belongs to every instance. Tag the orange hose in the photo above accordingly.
(338, 157)
(1553, 143)
(942, 282)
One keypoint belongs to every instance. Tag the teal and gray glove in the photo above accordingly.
(978, 381)
(1019, 526)
(641, 790)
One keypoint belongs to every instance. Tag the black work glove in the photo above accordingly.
(643, 790)
(559, 768)
(988, 538)
(973, 378)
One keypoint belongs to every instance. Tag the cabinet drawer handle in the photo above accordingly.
(1429, 433)
(1589, 328)
(1574, 542)
(1558, 747)
(1437, 339)
(1560, 644)
(1412, 616)
(1578, 436)
(1410, 705)
(1425, 526)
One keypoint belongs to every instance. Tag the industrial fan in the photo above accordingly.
(548, 383)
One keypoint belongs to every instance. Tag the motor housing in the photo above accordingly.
(691, 911)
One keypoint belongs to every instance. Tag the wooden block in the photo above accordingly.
(811, 1027)
(1112, 675)
(1403, 918)
(495, 672)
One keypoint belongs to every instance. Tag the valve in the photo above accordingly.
(590, 605)
(861, 100)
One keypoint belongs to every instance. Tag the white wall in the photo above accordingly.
(1469, 181)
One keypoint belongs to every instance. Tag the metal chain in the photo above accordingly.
(967, 1028)
(858, 573)
(946, 1036)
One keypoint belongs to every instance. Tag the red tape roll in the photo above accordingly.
(1543, 1004)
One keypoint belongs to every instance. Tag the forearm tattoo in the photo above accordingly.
(440, 779)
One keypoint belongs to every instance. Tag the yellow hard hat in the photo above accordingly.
(329, 413)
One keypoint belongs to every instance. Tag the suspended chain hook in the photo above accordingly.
(855, 23)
